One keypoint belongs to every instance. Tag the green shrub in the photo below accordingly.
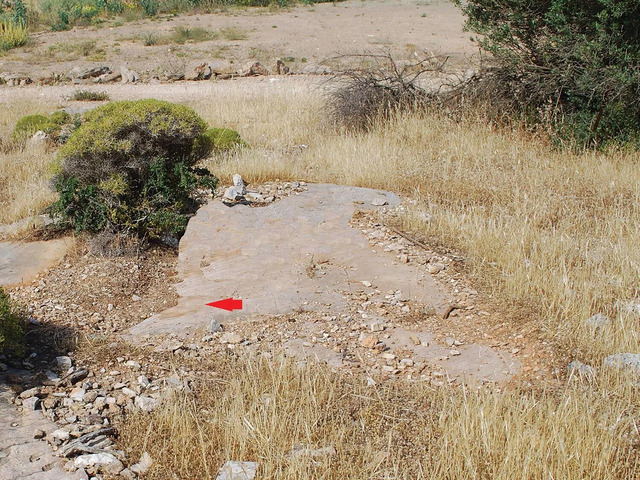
(27, 126)
(11, 332)
(220, 140)
(149, 7)
(572, 64)
(130, 168)
(89, 96)
(63, 14)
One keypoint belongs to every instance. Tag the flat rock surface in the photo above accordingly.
(263, 256)
(303, 257)
(22, 456)
(21, 262)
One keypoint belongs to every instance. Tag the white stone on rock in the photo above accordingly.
(32, 392)
(379, 201)
(31, 404)
(77, 394)
(60, 434)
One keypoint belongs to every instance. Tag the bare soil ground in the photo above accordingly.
(411, 29)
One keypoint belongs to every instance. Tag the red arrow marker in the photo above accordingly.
(228, 304)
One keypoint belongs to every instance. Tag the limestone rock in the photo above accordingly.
(598, 322)
(64, 363)
(280, 68)
(38, 139)
(143, 465)
(128, 76)
(234, 470)
(146, 403)
(254, 69)
(31, 404)
(629, 362)
(104, 462)
(577, 368)
(86, 73)
(313, 69)
(197, 70)
(221, 67)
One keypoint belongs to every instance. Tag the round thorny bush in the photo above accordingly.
(131, 168)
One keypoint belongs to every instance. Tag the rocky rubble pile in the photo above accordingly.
(261, 195)
(84, 403)
(196, 70)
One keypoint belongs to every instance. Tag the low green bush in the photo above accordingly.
(27, 126)
(220, 140)
(11, 323)
(89, 96)
(130, 167)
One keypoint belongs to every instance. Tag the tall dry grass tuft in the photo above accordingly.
(259, 410)
(24, 188)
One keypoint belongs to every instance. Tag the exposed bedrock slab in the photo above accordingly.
(263, 256)
(21, 262)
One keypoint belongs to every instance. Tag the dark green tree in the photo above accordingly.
(575, 63)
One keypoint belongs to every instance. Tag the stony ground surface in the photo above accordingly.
(85, 377)
(301, 35)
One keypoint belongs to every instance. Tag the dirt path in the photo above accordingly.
(301, 34)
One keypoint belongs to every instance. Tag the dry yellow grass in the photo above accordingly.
(24, 189)
(552, 230)
(254, 410)
(552, 233)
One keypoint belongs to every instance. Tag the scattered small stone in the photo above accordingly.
(624, 361)
(136, 298)
(454, 353)
(31, 404)
(370, 341)
(598, 322)
(577, 368)
(366, 283)
(39, 433)
(64, 363)
(103, 462)
(234, 470)
(214, 326)
(143, 465)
